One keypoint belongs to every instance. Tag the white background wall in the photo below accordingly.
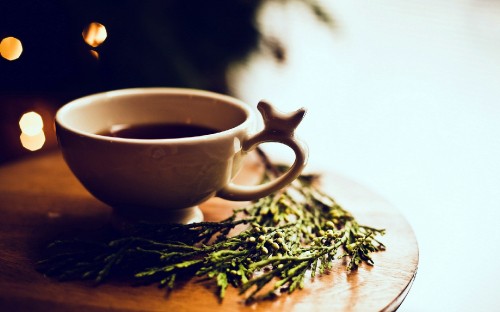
(403, 97)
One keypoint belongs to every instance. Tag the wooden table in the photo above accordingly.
(40, 198)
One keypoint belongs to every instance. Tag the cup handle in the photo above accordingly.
(278, 127)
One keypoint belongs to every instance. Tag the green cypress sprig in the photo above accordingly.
(297, 231)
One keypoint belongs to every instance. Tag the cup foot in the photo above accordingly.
(121, 221)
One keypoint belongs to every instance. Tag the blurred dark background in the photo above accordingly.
(177, 43)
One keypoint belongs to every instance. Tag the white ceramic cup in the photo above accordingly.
(163, 180)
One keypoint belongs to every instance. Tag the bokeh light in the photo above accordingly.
(94, 54)
(11, 48)
(94, 34)
(31, 123)
(32, 136)
(32, 142)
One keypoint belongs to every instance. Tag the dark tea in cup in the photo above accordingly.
(157, 131)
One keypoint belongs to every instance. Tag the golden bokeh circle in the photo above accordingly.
(94, 34)
(11, 48)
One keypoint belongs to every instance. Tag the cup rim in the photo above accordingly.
(249, 111)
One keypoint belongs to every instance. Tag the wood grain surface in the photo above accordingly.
(40, 199)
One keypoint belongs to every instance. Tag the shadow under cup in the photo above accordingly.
(159, 180)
